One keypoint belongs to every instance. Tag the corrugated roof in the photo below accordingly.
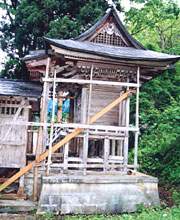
(20, 88)
(120, 53)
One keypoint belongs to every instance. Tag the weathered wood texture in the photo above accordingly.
(100, 98)
(64, 141)
(14, 139)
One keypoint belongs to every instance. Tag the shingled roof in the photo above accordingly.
(20, 88)
(120, 53)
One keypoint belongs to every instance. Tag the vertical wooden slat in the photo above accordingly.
(137, 120)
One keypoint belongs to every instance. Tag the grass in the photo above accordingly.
(143, 214)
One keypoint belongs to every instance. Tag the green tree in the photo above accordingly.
(26, 22)
(157, 20)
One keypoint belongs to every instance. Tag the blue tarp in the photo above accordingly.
(66, 104)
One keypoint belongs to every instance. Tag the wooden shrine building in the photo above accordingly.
(98, 71)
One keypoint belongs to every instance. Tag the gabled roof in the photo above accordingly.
(114, 13)
(20, 88)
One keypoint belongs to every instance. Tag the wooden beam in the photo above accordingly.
(75, 125)
(98, 82)
(62, 142)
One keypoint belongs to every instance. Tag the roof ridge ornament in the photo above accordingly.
(112, 4)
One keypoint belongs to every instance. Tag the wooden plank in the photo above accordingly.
(13, 196)
(61, 143)
(76, 125)
(98, 82)
(17, 143)
(15, 105)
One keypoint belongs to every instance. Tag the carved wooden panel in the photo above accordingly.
(110, 35)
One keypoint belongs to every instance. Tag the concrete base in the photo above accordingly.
(15, 206)
(97, 194)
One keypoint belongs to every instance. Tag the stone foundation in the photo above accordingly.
(97, 194)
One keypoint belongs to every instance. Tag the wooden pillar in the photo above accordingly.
(40, 131)
(113, 147)
(126, 140)
(71, 111)
(106, 152)
(52, 126)
(45, 128)
(137, 121)
(120, 147)
(59, 107)
(66, 150)
(86, 136)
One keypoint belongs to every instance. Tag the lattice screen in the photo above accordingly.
(35, 76)
(105, 38)
(9, 107)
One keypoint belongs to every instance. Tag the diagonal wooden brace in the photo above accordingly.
(64, 140)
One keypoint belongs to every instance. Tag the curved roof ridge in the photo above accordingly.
(114, 12)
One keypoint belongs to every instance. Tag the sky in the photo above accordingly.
(125, 4)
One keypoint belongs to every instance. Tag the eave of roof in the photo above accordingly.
(120, 53)
(20, 88)
(37, 54)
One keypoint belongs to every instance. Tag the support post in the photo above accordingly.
(59, 106)
(71, 111)
(66, 150)
(52, 126)
(113, 147)
(45, 128)
(137, 121)
(40, 132)
(126, 140)
(106, 152)
(86, 136)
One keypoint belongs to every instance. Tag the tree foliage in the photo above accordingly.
(26, 22)
(157, 20)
